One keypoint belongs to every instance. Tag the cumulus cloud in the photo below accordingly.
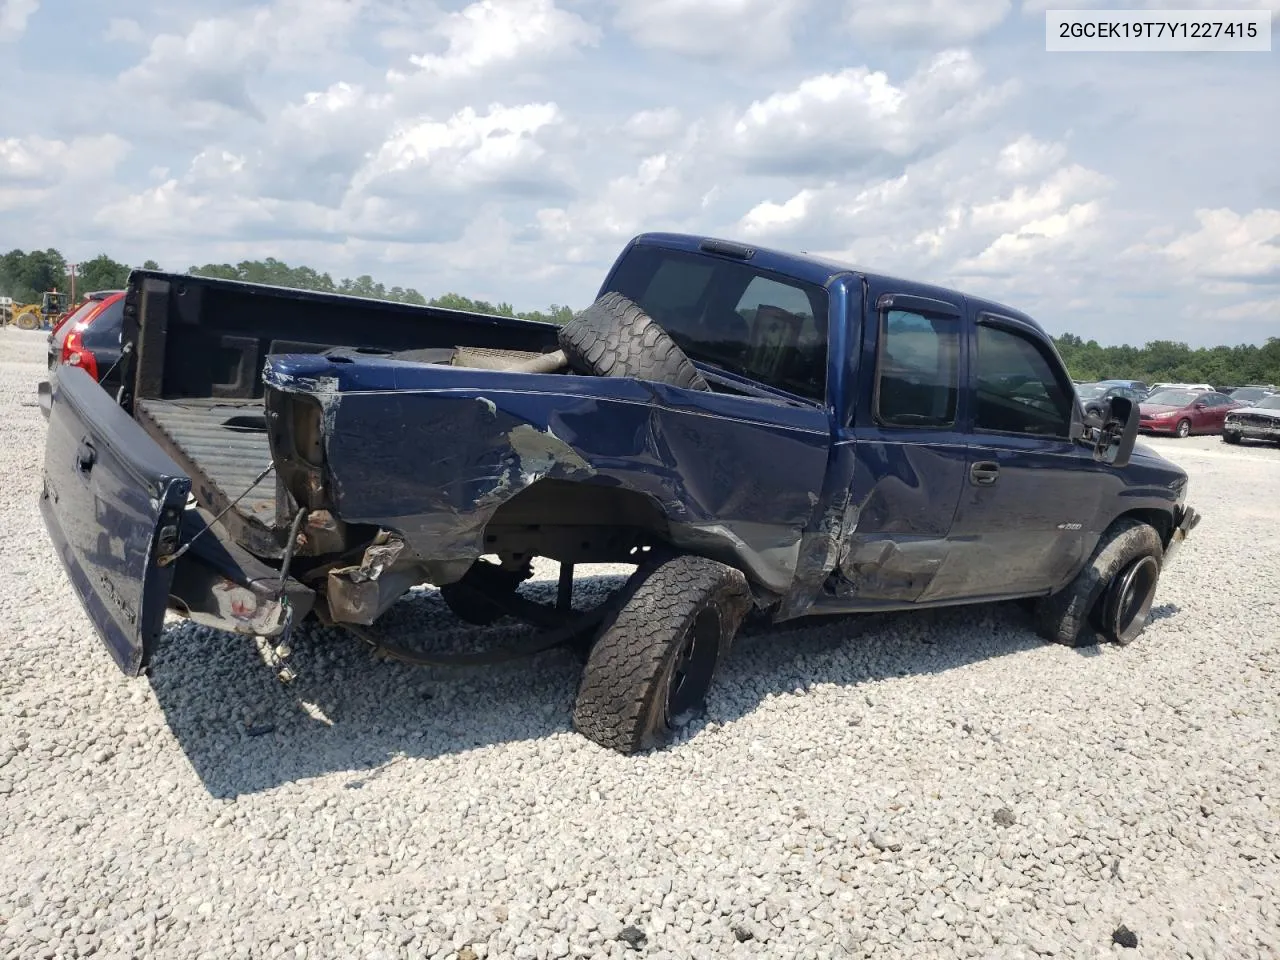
(735, 30)
(1230, 246)
(494, 33)
(833, 120)
(497, 150)
(207, 71)
(14, 15)
(925, 21)
(424, 143)
(36, 159)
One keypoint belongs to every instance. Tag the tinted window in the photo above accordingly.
(1017, 389)
(918, 369)
(1269, 403)
(104, 329)
(730, 315)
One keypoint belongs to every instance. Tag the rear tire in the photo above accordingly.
(615, 338)
(1184, 429)
(654, 663)
(1112, 594)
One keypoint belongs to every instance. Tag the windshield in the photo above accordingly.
(1171, 398)
(730, 315)
(1269, 403)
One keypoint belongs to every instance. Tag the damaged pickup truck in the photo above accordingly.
(750, 429)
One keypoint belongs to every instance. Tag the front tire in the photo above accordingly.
(1112, 594)
(1232, 438)
(1184, 429)
(655, 662)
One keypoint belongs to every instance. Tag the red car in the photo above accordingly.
(1184, 412)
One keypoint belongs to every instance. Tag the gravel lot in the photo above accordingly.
(911, 785)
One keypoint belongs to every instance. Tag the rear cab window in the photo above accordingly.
(733, 317)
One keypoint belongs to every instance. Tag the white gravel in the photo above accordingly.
(930, 785)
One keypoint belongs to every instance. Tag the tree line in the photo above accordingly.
(25, 276)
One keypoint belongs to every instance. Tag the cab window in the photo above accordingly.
(917, 371)
(1017, 387)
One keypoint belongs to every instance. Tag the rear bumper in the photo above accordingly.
(1185, 519)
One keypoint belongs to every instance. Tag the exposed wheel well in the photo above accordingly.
(1161, 520)
(576, 523)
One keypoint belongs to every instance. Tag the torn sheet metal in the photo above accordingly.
(432, 452)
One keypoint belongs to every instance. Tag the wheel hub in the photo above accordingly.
(1130, 598)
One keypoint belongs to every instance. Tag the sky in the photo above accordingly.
(508, 149)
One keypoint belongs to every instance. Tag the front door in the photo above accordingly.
(1030, 492)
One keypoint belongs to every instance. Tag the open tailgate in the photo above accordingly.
(112, 502)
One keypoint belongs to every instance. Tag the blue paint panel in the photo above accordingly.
(108, 490)
(433, 451)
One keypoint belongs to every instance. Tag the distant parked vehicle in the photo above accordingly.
(1252, 393)
(1104, 390)
(1184, 412)
(1203, 387)
(1261, 421)
(90, 339)
(1137, 386)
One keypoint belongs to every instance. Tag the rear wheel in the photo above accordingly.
(1184, 428)
(652, 667)
(1112, 594)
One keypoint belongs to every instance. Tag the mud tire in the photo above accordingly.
(655, 661)
(615, 338)
(1076, 616)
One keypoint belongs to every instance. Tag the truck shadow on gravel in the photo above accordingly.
(351, 712)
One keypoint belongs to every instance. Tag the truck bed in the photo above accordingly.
(222, 445)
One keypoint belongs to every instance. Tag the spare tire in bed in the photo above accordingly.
(615, 338)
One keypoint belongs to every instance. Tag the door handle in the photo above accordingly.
(984, 473)
(85, 456)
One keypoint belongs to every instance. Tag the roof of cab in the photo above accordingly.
(822, 270)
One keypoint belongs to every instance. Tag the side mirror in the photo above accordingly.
(1198, 405)
(1118, 432)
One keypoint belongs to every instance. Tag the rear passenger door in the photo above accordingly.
(909, 458)
(1030, 492)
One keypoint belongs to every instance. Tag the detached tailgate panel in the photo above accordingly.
(112, 503)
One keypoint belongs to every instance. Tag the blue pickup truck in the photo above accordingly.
(754, 431)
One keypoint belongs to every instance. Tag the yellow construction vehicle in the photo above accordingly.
(33, 316)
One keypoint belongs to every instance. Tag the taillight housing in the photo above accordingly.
(76, 354)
